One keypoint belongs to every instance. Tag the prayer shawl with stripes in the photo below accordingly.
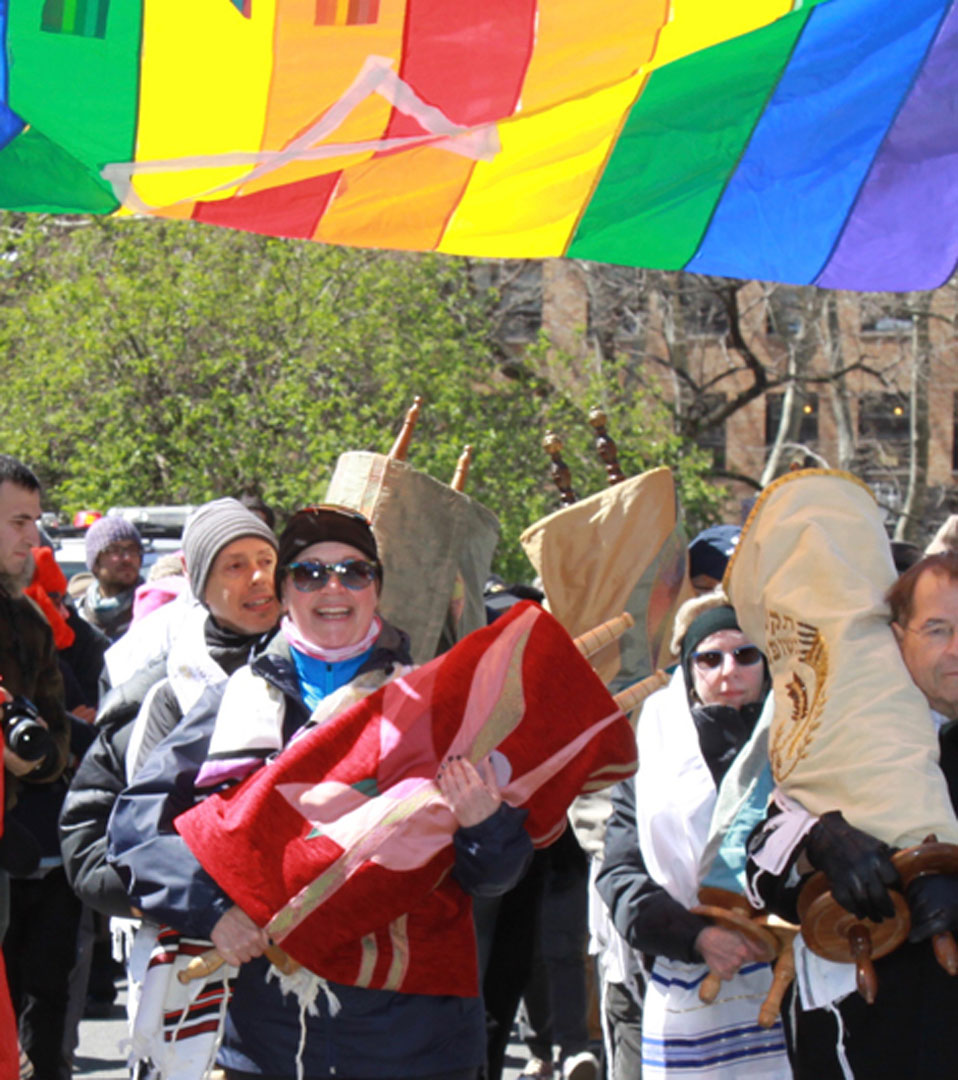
(681, 819)
(342, 846)
(176, 1027)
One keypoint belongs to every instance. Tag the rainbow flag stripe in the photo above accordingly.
(807, 141)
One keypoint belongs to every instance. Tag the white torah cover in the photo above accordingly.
(436, 547)
(622, 549)
(850, 730)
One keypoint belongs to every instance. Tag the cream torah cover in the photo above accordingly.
(622, 549)
(436, 546)
(851, 731)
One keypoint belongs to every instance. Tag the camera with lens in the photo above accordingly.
(23, 732)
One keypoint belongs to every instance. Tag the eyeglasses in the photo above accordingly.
(123, 551)
(710, 659)
(355, 574)
(934, 632)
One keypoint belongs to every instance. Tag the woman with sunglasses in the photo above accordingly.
(332, 644)
(701, 746)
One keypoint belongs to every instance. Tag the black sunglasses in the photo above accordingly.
(355, 574)
(746, 655)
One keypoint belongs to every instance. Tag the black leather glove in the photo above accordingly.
(933, 902)
(858, 867)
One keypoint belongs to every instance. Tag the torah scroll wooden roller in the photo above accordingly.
(931, 857)
(211, 960)
(834, 933)
(633, 696)
(784, 971)
(732, 912)
(605, 446)
(596, 639)
(462, 470)
(400, 447)
(558, 470)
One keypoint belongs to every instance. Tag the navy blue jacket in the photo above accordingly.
(376, 1033)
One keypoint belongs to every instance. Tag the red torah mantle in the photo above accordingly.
(342, 846)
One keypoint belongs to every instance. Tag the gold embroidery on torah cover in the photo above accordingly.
(850, 730)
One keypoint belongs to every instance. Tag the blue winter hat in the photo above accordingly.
(710, 551)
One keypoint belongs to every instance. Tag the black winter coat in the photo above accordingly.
(102, 774)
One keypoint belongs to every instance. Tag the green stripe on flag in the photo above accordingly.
(80, 91)
(679, 145)
(38, 176)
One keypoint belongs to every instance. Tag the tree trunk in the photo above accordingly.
(910, 524)
(838, 388)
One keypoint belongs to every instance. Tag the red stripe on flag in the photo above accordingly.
(467, 59)
(291, 210)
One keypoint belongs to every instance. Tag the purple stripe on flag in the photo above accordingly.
(902, 233)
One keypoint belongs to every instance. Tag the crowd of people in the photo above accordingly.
(128, 702)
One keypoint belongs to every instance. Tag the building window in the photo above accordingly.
(808, 428)
(884, 417)
(82, 18)
(884, 320)
(703, 312)
(883, 432)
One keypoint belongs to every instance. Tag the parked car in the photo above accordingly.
(160, 528)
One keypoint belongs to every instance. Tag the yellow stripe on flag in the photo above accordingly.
(525, 203)
(699, 24)
(205, 75)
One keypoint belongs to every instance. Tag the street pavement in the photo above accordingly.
(101, 1054)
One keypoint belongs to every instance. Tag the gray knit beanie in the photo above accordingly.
(111, 529)
(209, 529)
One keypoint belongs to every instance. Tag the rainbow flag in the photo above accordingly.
(808, 141)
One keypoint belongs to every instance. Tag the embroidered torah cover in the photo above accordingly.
(342, 847)
(851, 731)
(622, 549)
(436, 546)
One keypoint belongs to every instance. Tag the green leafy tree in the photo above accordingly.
(168, 362)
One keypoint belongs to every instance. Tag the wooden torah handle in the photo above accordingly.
(462, 470)
(931, 857)
(201, 966)
(400, 447)
(605, 446)
(836, 934)
(860, 944)
(596, 639)
(783, 975)
(558, 470)
(633, 696)
(732, 912)
(206, 963)
(709, 988)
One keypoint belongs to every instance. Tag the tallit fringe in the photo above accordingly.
(306, 987)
